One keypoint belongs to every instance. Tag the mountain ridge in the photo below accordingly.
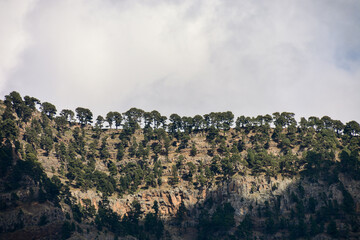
(182, 178)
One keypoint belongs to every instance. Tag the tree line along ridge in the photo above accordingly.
(141, 150)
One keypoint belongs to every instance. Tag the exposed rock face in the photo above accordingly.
(218, 176)
(169, 200)
(242, 192)
(93, 196)
(31, 215)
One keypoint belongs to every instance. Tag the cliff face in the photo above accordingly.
(62, 179)
(248, 195)
(32, 221)
(241, 192)
(24, 213)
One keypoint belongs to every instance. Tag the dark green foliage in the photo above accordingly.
(313, 160)
(17, 102)
(30, 168)
(219, 222)
(245, 228)
(114, 117)
(88, 209)
(215, 165)
(184, 140)
(174, 179)
(132, 119)
(306, 152)
(67, 114)
(104, 153)
(48, 109)
(260, 161)
(112, 168)
(332, 229)
(129, 224)
(153, 224)
(298, 229)
(181, 213)
(31, 136)
(5, 158)
(66, 230)
(41, 196)
(193, 151)
(99, 121)
(120, 152)
(76, 212)
(212, 134)
(46, 143)
(314, 227)
(350, 162)
(227, 167)
(43, 220)
(31, 101)
(78, 145)
(223, 217)
(156, 148)
(157, 169)
(150, 180)
(270, 226)
(131, 221)
(348, 202)
(61, 123)
(191, 171)
(205, 225)
(84, 115)
(312, 205)
(104, 183)
(240, 146)
(352, 128)
(9, 129)
(132, 176)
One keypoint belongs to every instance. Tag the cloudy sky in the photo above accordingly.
(187, 57)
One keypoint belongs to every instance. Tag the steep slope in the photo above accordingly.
(188, 178)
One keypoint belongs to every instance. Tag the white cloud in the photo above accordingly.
(251, 57)
(13, 37)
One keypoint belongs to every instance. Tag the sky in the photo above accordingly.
(187, 57)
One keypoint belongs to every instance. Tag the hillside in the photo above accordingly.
(141, 175)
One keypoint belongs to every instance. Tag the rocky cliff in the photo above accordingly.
(193, 178)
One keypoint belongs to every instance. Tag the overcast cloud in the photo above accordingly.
(187, 57)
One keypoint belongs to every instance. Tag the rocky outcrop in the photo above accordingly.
(30, 215)
(243, 192)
